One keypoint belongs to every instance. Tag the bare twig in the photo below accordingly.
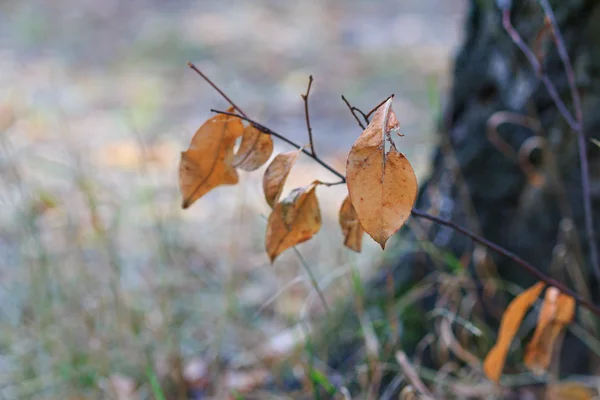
(510, 255)
(271, 132)
(421, 214)
(352, 110)
(307, 116)
(537, 67)
(576, 123)
(214, 86)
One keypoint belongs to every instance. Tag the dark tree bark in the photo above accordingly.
(481, 185)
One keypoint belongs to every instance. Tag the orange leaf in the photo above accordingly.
(353, 231)
(382, 186)
(511, 320)
(207, 163)
(276, 174)
(294, 220)
(557, 311)
(254, 151)
(569, 391)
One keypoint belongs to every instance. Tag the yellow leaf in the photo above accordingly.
(569, 391)
(294, 220)
(511, 320)
(382, 186)
(276, 174)
(557, 311)
(254, 151)
(207, 163)
(353, 231)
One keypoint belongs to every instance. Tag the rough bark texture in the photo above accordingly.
(477, 185)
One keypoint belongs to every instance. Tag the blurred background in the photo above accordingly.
(109, 289)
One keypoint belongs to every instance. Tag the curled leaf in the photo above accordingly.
(207, 163)
(511, 320)
(353, 231)
(294, 220)
(254, 151)
(557, 311)
(276, 174)
(382, 186)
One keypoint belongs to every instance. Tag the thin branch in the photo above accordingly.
(352, 109)
(581, 142)
(271, 132)
(307, 116)
(575, 123)
(537, 67)
(214, 86)
(417, 213)
(511, 256)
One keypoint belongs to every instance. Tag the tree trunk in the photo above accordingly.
(533, 207)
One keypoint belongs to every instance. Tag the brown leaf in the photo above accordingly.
(294, 220)
(207, 163)
(254, 151)
(569, 391)
(353, 231)
(276, 174)
(511, 320)
(557, 311)
(382, 186)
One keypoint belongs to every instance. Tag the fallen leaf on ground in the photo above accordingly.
(382, 186)
(509, 325)
(294, 220)
(569, 391)
(254, 151)
(557, 312)
(207, 163)
(276, 174)
(351, 228)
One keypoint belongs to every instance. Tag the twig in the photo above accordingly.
(576, 123)
(352, 109)
(417, 213)
(214, 86)
(269, 131)
(537, 67)
(511, 256)
(581, 142)
(306, 115)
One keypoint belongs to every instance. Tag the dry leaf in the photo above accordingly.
(294, 220)
(353, 231)
(509, 325)
(208, 161)
(382, 186)
(276, 174)
(557, 311)
(569, 391)
(254, 151)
